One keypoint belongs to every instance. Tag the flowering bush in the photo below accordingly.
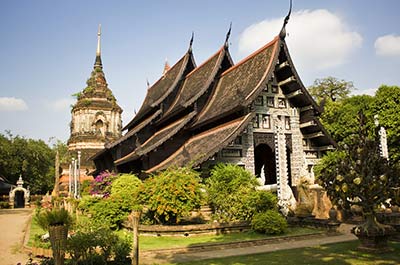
(101, 185)
(171, 194)
(117, 197)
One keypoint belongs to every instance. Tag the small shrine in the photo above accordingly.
(19, 196)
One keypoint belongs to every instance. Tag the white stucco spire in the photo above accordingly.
(98, 51)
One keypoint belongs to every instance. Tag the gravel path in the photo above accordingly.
(13, 223)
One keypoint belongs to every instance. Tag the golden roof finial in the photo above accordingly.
(166, 66)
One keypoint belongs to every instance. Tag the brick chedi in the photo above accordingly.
(96, 116)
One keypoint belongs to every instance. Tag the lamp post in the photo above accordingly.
(78, 166)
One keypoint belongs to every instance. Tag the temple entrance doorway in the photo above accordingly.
(264, 160)
(19, 201)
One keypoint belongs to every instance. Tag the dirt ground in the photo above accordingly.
(13, 223)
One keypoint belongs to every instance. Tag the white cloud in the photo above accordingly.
(368, 91)
(62, 104)
(318, 39)
(388, 45)
(12, 104)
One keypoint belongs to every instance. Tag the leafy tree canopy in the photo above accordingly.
(330, 89)
(356, 174)
(340, 117)
(32, 159)
(387, 106)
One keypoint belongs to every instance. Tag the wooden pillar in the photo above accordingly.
(134, 218)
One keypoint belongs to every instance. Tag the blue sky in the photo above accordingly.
(47, 48)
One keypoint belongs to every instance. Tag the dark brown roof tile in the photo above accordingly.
(238, 85)
(202, 146)
(157, 139)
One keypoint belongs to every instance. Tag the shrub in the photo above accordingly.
(4, 205)
(261, 201)
(97, 246)
(230, 189)
(270, 222)
(171, 194)
(86, 187)
(111, 211)
(121, 199)
(101, 185)
(95, 243)
(126, 186)
(54, 217)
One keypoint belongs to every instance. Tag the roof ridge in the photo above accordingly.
(251, 55)
(206, 61)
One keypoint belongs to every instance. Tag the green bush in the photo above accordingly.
(230, 191)
(54, 217)
(270, 222)
(97, 246)
(4, 205)
(115, 208)
(261, 201)
(171, 194)
(126, 186)
(111, 211)
(85, 187)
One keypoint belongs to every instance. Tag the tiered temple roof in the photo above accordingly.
(192, 112)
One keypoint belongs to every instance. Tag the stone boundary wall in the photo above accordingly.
(189, 230)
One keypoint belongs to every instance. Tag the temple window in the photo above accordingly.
(287, 123)
(231, 152)
(238, 140)
(100, 127)
(259, 101)
(266, 121)
(270, 101)
(281, 103)
(256, 122)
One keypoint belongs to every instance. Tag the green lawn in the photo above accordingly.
(35, 230)
(333, 254)
(154, 242)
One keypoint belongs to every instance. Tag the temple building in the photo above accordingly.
(96, 116)
(255, 113)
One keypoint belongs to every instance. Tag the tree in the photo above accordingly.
(32, 159)
(340, 117)
(356, 174)
(387, 107)
(330, 89)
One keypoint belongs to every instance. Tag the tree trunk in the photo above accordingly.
(373, 235)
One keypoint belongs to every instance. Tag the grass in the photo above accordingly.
(333, 254)
(35, 229)
(154, 242)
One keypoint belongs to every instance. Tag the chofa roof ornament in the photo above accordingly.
(228, 34)
(191, 42)
(282, 33)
